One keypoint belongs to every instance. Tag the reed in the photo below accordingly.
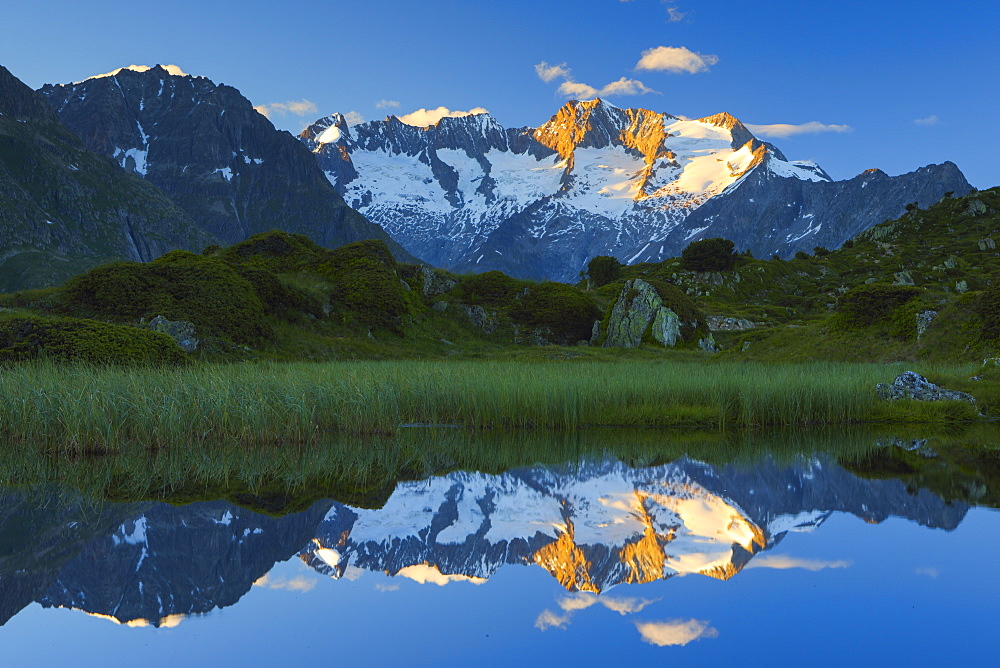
(99, 409)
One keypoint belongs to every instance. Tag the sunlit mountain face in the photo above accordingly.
(591, 525)
(603, 524)
(469, 194)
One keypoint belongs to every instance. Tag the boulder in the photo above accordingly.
(181, 331)
(639, 311)
(911, 385)
(434, 283)
(924, 320)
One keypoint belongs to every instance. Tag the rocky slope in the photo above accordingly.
(64, 208)
(470, 195)
(207, 148)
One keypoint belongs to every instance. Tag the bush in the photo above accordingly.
(72, 340)
(493, 289)
(867, 305)
(567, 312)
(603, 269)
(276, 251)
(801, 255)
(178, 286)
(366, 287)
(709, 255)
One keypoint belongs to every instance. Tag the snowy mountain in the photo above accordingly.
(211, 152)
(470, 195)
(603, 523)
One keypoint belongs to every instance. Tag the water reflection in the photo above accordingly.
(596, 525)
(591, 526)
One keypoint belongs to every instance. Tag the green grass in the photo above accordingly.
(76, 408)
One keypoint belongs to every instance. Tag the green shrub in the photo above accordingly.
(73, 340)
(566, 311)
(366, 288)
(493, 289)
(178, 286)
(603, 269)
(281, 300)
(276, 251)
(801, 255)
(866, 305)
(708, 255)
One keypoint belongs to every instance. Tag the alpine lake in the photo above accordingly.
(789, 547)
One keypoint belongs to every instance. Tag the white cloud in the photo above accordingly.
(675, 59)
(549, 73)
(790, 130)
(928, 571)
(353, 118)
(675, 632)
(930, 120)
(581, 91)
(578, 601)
(424, 117)
(549, 620)
(626, 606)
(674, 15)
(297, 107)
(784, 562)
(299, 584)
(387, 104)
(386, 587)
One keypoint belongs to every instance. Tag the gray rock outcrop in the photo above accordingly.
(640, 309)
(181, 331)
(911, 385)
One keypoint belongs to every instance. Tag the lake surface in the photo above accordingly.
(810, 558)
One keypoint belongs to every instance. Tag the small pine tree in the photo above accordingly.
(709, 255)
(603, 269)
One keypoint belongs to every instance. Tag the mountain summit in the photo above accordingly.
(470, 195)
(207, 148)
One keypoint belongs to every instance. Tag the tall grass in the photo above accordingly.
(82, 408)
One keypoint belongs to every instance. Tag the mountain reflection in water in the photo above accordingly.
(592, 525)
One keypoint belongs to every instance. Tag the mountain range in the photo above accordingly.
(142, 160)
(469, 195)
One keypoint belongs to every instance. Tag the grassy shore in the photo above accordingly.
(86, 409)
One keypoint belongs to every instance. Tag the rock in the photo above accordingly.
(991, 361)
(924, 319)
(481, 318)
(595, 334)
(434, 283)
(976, 207)
(718, 323)
(962, 287)
(917, 445)
(181, 331)
(440, 306)
(911, 385)
(746, 346)
(708, 344)
(666, 327)
(634, 311)
(987, 244)
(902, 278)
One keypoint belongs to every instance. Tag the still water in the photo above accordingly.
(806, 559)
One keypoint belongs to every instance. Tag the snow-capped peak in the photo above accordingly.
(173, 70)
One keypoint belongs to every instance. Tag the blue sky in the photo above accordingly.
(894, 85)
